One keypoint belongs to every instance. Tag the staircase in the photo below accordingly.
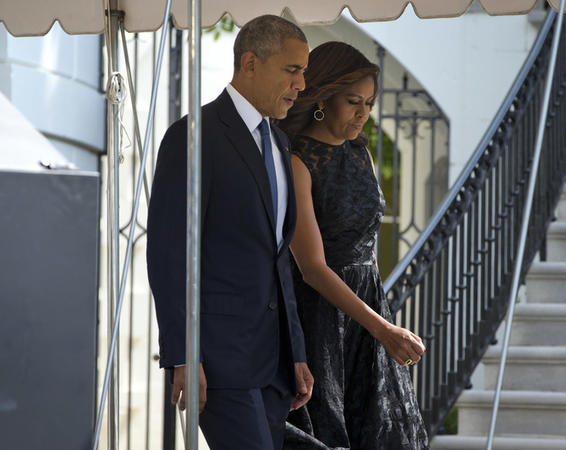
(532, 412)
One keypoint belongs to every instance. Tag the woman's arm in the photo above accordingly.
(308, 251)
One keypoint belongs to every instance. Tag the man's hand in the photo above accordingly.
(179, 387)
(305, 382)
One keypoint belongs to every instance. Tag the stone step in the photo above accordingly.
(556, 242)
(528, 368)
(539, 324)
(546, 282)
(533, 413)
(456, 442)
(561, 208)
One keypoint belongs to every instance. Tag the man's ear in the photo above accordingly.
(248, 63)
(320, 105)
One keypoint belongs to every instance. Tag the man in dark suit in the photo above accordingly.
(253, 367)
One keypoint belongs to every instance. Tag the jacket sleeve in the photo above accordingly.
(166, 242)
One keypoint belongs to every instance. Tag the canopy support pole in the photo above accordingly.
(525, 221)
(113, 217)
(133, 97)
(193, 226)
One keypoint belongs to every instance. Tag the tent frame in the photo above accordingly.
(114, 27)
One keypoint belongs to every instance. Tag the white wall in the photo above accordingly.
(53, 80)
(217, 64)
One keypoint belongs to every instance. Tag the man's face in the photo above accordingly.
(278, 80)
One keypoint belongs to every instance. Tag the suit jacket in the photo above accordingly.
(243, 275)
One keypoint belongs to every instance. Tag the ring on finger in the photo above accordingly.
(408, 362)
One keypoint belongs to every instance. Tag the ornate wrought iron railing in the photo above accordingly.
(418, 138)
(453, 286)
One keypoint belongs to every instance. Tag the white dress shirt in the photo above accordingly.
(252, 118)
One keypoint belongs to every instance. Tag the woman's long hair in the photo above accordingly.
(332, 67)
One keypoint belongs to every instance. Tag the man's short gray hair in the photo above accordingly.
(264, 36)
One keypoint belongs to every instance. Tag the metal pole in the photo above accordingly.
(175, 89)
(113, 228)
(379, 125)
(127, 259)
(525, 221)
(131, 86)
(379, 166)
(193, 228)
(115, 386)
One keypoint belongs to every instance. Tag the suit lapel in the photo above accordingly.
(241, 139)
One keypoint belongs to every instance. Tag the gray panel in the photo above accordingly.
(48, 297)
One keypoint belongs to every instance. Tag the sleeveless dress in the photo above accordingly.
(362, 399)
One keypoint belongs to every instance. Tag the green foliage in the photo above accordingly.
(386, 169)
(224, 25)
(451, 422)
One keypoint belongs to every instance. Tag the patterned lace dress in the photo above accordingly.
(362, 399)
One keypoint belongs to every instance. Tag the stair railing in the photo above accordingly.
(453, 286)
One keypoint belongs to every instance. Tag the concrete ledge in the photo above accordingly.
(534, 413)
(539, 324)
(546, 282)
(561, 208)
(556, 242)
(535, 354)
(524, 399)
(548, 269)
(557, 229)
(499, 443)
(528, 368)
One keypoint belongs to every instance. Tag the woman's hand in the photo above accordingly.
(401, 344)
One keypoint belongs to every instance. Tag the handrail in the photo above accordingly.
(453, 287)
(469, 167)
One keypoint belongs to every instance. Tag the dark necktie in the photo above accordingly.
(267, 152)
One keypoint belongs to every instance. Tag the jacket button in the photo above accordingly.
(272, 304)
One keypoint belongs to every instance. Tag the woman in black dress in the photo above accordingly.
(363, 397)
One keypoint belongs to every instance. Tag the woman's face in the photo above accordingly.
(346, 112)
